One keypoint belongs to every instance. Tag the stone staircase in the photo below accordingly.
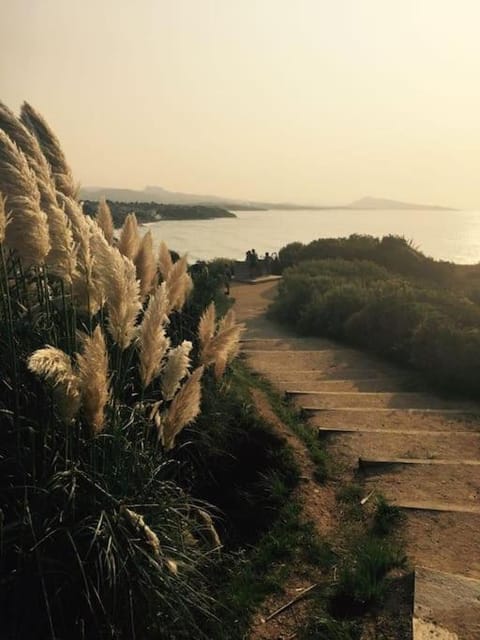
(419, 450)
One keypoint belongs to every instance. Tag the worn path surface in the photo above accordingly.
(421, 451)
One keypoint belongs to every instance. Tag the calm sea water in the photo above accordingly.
(445, 235)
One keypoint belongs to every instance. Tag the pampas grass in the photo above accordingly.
(129, 241)
(145, 265)
(113, 366)
(117, 276)
(165, 262)
(176, 369)
(183, 410)
(61, 257)
(27, 232)
(179, 284)
(55, 367)
(104, 220)
(3, 219)
(207, 325)
(152, 340)
(221, 347)
(52, 150)
(93, 377)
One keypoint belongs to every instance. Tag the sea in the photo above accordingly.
(441, 234)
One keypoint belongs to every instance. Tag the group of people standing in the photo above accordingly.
(259, 266)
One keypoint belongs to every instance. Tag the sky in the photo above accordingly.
(313, 101)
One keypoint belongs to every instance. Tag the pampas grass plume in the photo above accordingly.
(27, 232)
(145, 265)
(206, 326)
(117, 276)
(93, 375)
(176, 369)
(55, 367)
(165, 262)
(52, 150)
(184, 409)
(3, 219)
(104, 220)
(179, 284)
(129, 240)
(153, 344)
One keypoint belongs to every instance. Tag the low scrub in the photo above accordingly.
(433, 329)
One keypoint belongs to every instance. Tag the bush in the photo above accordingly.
(432, 329)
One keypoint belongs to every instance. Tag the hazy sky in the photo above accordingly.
(307, 100)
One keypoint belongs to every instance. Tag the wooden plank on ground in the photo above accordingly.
(364, 463)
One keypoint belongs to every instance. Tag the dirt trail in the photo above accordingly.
(393, 419)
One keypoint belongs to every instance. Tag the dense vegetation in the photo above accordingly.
(153, 211)
(119, 518)
(387, 297)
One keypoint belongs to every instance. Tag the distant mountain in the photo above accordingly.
(155, 194)
(383, 203)
(160, 195)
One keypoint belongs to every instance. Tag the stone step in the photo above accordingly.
(443, 536)
(370, 385)
(446, 606)
(292, 376)
(447, 482)
(432, 506)
(365, 463)
(370, 443)
(377, 400)
(389, 419)
(285, 344)
(325, 361)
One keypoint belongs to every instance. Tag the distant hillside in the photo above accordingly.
(153, 212)
(162, 196)
(383, 203)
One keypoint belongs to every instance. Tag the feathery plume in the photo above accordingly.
(175, 369)
(27, 232)
(116, 273)
(104, 220)
(152, 341)
(165, 262)
(138, 523)
(129, 240)
(221, 349)
(93, 375)
(3, 219)
(212, 533)
(52, 150)
(206, 326)
(55, 367)
(61, 257)
(179, 284)
(27, 144)
(145, 265)
(87, 289)
(184, 409)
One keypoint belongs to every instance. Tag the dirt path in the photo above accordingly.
(364, 407)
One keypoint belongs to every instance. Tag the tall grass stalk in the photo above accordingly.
(97, 539)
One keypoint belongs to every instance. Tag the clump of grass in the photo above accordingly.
(362, 577)
(386, 518)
